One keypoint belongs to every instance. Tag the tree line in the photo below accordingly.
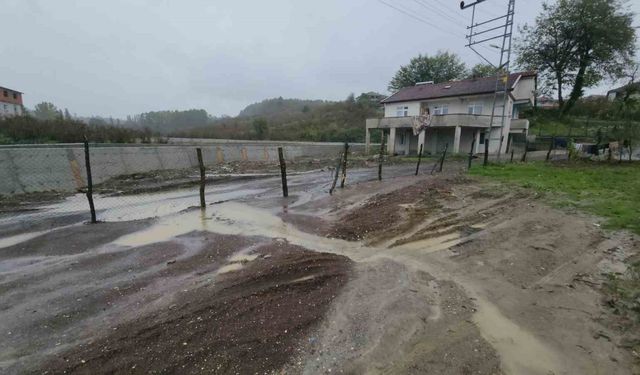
(28, 129)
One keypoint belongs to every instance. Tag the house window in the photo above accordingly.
(475, 109)
(6, 94)
(402, 138)
(482, 138)
(15, 96)
(402, 111)
(441, 110)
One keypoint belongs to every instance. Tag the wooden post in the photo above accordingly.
(444, 154)
(380, 157)
(283, 173)
(419, 159)
(551, 146)
(203, 204)
(344, 164)
(512, 155)
(87, 161)
(336, 174)
(526, 148)
(473, 143)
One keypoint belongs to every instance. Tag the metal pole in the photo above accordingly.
(419, 160)
(473, 143)
(380, 157)
(503, 65)
(87, 161)
(511, 11)
(203, 204)
(344, 164)
(444, 154)
(283, 173)
(336, 174)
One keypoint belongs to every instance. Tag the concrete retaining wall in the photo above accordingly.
(37, 168)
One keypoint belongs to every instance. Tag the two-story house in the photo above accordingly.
(455, 113)
(10, 102)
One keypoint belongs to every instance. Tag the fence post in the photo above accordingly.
(380, 157)
(443, 156)
(473, 143)
(511, 154)
(283, 173)
(344, 164)
(419, 160)
(87, 162)
(203, 204)
(336, 174)
(526, 148)
(551, 147)
(487, 140)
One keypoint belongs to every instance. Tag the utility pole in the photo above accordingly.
(481, 33)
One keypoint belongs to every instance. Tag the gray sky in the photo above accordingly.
(120, 57)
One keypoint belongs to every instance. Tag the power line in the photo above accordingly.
(453, 11)
(419, 19)
(435, 10)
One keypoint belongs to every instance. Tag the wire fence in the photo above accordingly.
(48, 187)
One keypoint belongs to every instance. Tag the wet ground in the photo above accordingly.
(429, 274)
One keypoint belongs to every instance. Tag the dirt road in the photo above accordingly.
(439, 275)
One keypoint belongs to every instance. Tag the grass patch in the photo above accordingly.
(611, 191)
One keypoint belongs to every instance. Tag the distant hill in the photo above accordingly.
(295, 119)
(280, 107)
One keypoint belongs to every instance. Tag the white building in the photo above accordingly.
(10, 102)
(454, 113)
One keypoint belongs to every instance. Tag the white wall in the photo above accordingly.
(413, 107)
(10, 109)
(456, 105)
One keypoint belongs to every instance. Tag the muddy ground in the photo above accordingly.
(430, 274)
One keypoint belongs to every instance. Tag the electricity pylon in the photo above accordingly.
(481, 33)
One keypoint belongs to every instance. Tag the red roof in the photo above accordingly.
(473, 86)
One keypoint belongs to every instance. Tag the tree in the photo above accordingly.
(442, 67)
(577, 44)
(45, 111)
(260, 128)
(482, 70)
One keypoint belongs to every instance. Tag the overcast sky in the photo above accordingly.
(121, 57)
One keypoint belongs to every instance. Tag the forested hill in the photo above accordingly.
(280, 106)
(294, 120)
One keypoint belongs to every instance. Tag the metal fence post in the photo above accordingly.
(526, 148)
(283, 173)
(380, 157)
(551, 147)
(87, 161)
(473, 143)
(444, 154)
(203, 204)
(419, 160)
(344, 164)
(337, 173)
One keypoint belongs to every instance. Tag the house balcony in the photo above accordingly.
(450, 120)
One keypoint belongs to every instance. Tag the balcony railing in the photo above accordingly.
(461, 119)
